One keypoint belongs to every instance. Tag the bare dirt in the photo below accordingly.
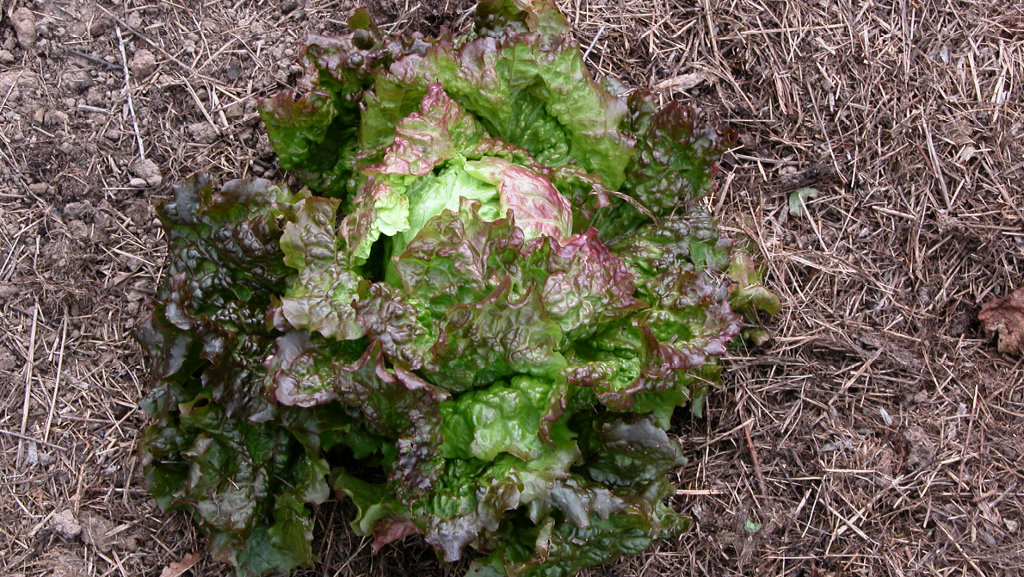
(879, 432)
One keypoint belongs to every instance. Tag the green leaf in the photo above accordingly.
(458, 257)
(431, 195)
(534, 202)
(306, 137)
(584, 286)
(502, 18)
(379, 513)
(320, 131)
(320, 296)
(298, 373)
(676, 158)
(751, 526)
(403, 191)
(473, 502)
(390, 318)
(750, 293)
(798, 200)
(688, 241)
(538, 96)
(503, 418)
(439, 131)
(673, 166)
(630, 453)
(553, 549)
(499, 336)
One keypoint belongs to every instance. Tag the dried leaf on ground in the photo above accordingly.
(179, 568)
(104, 535)
(1005, 317)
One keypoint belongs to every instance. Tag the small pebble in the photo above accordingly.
(55, 118)
(38, 188)
(234, 71)
(78, 80)
(24, 22)
(147, 171)
(77, 210)
(99, 28)
(65, 525)
(235, 110)
(202, 132)
(143, 63)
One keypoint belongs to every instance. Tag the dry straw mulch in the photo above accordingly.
(878, 433)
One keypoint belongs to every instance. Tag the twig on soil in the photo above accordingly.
(29, 365)
(99, 61)
(7, 96)
(56, 379)
(848, 523)
(753, 452)
(201, 106)
(95, 109)
(593, 42)
(29, 313)
(936, 165)
(32, 439)
(970, 430)
(699, 492)
(722, 70)
(16, 171)
(128, 93)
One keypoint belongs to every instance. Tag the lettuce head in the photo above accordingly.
(474, 318)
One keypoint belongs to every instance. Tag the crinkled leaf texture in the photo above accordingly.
(476, 321)
(215, 448)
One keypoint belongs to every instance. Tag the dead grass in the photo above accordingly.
(879, 433)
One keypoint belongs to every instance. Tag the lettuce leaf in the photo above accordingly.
(214, 448)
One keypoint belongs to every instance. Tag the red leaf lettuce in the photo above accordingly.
(475, 321)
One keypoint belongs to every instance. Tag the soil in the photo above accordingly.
(878, 432)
